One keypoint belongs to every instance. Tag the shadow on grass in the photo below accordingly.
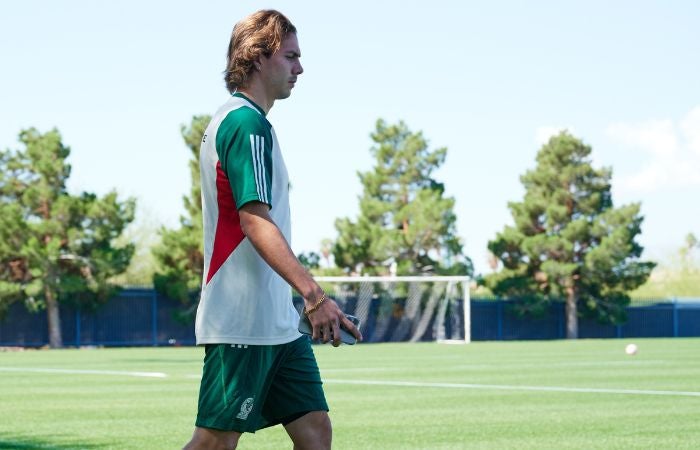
(8, 441)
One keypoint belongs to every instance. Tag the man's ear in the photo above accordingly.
(256, 63)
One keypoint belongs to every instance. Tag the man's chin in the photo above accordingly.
(284, 94)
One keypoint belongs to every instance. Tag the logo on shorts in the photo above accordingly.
(246, 408)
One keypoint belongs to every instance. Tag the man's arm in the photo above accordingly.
(271, 245)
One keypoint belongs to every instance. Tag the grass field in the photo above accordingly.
(495, 395)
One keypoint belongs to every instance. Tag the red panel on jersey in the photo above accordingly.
(228, 228)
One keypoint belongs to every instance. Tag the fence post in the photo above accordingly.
(154, 317)
(77, 327)
(675, 317)
(499, 311)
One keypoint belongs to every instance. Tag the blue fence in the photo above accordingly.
(141, 317)
(492, 320)
(135, 317)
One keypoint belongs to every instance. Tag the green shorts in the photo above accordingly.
(248, 387)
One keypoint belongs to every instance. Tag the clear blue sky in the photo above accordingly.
(488, 80)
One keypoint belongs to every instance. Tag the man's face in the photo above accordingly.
(279, 72)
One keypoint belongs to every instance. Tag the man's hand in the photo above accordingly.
(327, 320)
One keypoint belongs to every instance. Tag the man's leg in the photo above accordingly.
(208, 439)
(233, 378)
(312, 431)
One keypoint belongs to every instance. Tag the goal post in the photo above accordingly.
(405, 308)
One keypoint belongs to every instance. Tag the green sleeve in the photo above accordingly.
(244, 147)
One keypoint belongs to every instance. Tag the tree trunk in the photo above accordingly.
(571, 314)
(54, 319)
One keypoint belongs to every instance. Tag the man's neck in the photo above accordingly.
(257, 95)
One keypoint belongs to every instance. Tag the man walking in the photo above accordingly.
(259, 370)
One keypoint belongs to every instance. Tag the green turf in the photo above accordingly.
(115, 411)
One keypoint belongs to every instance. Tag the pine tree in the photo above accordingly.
(180, 255)
(56, 247)
(568, 243)
(405, 219)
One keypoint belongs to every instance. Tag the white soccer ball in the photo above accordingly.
(631, 349)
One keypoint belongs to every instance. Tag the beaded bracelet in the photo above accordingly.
(316, 306)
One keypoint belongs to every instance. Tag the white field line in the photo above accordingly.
(628, 363)
(382, 383)
(83, 372)
(350, 369)
(513, 388)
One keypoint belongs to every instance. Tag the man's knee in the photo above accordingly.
(207, 439)
(322, 423)
(311, 431)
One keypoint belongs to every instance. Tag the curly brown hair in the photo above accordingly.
(261, 33)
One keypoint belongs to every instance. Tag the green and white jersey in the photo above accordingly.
(243, 300)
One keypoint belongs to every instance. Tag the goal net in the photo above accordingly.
(405, 309)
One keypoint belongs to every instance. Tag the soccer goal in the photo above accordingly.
(405, 309)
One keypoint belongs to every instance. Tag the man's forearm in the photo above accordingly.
(272, 246)
(325, 315)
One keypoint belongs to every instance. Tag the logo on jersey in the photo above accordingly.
(246, 408)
